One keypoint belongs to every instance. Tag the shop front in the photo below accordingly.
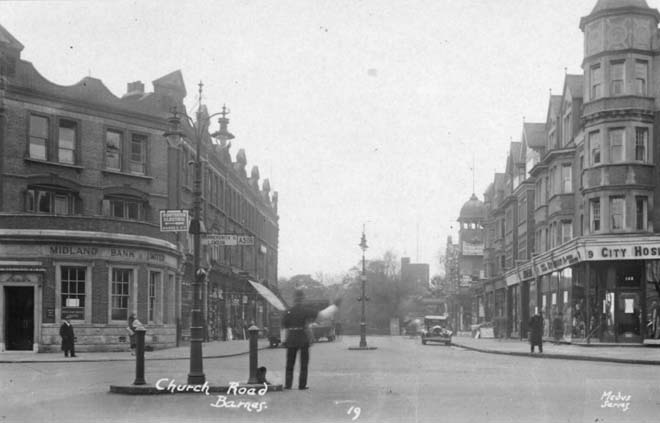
(599, 289)
(96, 280)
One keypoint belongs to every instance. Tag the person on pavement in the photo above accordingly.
(68, 338)
(131, 331)
(298, 337)
(536, 332)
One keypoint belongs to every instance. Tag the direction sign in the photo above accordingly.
(174, 220)
(220, 239)
(245, 240)
(229, 239)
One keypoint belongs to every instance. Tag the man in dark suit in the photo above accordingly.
(298, 337)
(66, 332)
(536, 332)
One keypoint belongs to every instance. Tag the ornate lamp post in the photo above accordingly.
(175, 136)
(363, 299)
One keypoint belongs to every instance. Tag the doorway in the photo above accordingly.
(19, 318)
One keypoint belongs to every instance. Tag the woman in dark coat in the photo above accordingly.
(536, 332)
(66, 332)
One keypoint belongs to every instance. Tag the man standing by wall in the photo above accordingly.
(68, 338)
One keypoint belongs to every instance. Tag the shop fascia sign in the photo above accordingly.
(228, 239)
(556, 261)
(623, 250)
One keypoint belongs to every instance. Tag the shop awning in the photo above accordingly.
(268, 296)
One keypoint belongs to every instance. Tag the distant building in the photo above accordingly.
(415, 273)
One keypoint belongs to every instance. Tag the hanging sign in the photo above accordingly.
(174, 220)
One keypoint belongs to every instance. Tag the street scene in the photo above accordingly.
(434, 383)
(327, 211)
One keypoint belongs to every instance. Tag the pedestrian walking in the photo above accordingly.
(298, 336)
(68, 337)
(536, 332)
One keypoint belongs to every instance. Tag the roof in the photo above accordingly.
(534, 134)
(553, 105)
(514, 151)
(472, 209)
(574, 84)
(615, 4)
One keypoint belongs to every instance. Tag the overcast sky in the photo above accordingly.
(359, 112)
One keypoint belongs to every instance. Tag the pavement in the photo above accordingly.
(613, 353)
(214, 349)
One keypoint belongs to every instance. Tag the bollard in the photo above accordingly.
(140, 331)
(254, 362)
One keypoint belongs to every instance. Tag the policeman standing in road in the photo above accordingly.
(298, 337)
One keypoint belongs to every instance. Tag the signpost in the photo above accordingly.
(174, 220)
(229, 239)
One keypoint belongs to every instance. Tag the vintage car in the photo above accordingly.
(436, 329)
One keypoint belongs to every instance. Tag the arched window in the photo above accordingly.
(52, 199)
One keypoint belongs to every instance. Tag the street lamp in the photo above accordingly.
(363, 298)
(174, 137)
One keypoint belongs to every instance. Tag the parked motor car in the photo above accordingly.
(436, 329)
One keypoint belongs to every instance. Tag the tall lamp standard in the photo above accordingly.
(363, 298)
(175, 137)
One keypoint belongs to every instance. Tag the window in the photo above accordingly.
(617, 210)
(66, 142)
(51, 200)
(566, 178)
(641, 76)
(154, 290)
(121, 281)
(125, 208)
(596, 75)
(594, 145)
(616, 145)
(595, 214)
(567, 130)
(113, 141)
(551, 181)
(641, 141)
(581, 171)
(641, 210)
(72, 280)
(138, 153)
(566, 231)
(38, 137)
(617, 71)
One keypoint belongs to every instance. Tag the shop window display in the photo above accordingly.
(652, 299)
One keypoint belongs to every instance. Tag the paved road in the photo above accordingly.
(401, 381)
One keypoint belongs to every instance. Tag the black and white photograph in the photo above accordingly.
(303, 211)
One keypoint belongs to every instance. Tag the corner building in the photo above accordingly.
(83, 176)
(573, 227)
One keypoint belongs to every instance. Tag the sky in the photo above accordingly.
(382, 115)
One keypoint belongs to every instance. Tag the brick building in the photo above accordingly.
(83, 176)
(571, 228)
